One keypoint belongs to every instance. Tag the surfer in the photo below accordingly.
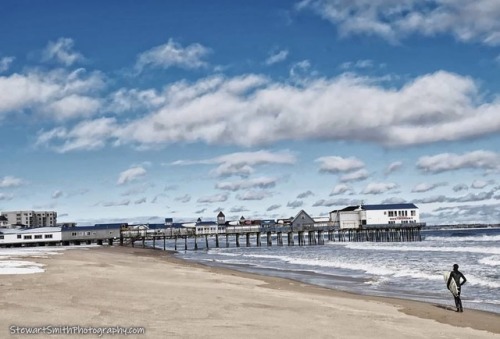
(456, 275)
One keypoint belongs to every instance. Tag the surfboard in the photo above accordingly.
(452, 286)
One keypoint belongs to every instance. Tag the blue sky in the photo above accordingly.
(136, 111)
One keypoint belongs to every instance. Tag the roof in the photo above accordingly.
(206, 223)
(31, 230)
(302, 212)
(94, 228)
(220, 214)
(389, 207)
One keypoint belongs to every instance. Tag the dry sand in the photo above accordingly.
(110, 286)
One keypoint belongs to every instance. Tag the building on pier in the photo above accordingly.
(302, 220)
(353, 217)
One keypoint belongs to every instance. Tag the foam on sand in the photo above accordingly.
(11, 259)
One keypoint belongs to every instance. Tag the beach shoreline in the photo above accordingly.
(157, 283)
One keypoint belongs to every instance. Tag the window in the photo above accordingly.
(73, 234)
(88, 233)
(18, 236)
(26, 237)
(38, 236)
(1, 236)
(413, 213)
(48, 236)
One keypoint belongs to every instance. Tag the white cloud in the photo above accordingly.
(184, 199)
(140, 201)
(73, 106)
(254, 195)
(62, 52)
(261, 182)
(443, 162)
(57, 94)
(460, 187)
(471, 197)
(238, 209)
(341, 189)
(295, 204)
(358, 175)
(360, 64)
(393, 167)
(131, 174)
(379, 187)
(304, 195)
(300, 69)
(241, 163)
(125, 100)
(276, 57)
(10, 181)
(125, 202)
(251, 110)
(273, 207)
(479, 184)
(214, 198)
(426, 187)
(393, 200)
(335, 164)
(334, 202)
(173, 54)
(86, 135)
(5, 63)
(57, 194)
(227, 170)
(467, 21)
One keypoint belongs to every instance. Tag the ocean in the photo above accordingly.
(408, 270)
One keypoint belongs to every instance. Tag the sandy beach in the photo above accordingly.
(171, 298)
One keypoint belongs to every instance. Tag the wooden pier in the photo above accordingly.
(275, 235)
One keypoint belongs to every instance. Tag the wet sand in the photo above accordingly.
(172, 298)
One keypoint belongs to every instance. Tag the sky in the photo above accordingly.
(136, 111)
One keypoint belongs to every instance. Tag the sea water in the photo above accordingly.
(409, 270)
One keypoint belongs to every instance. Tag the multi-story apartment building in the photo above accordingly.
(31, 219)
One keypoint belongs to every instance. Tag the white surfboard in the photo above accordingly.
(453, 285)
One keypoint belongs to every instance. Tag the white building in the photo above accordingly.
(31, 219)
(30, 236)
(366, 215)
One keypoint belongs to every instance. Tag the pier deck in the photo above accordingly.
(278, 235)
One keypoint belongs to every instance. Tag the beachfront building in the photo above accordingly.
(370, 215)
(31, 219)
(302, 220)
(34, 236)
(98, 233)
(4, 222)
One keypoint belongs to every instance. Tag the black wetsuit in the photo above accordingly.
(456, 275)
